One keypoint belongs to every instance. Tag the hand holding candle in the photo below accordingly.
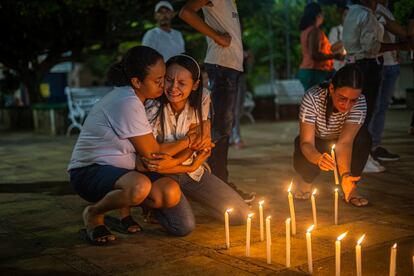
(338, 254)
(261, 220)
(268, 242)
(309, 249)
(226, 227)
(358, 256)
(315, 223)
(292, 209)
(248, 230)
(336, 168)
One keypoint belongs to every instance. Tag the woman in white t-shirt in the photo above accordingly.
(184, 108)
(103, 164)
(333, 113)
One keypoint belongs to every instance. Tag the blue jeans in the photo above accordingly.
(212, 193)
(223, 85)
(390, 74)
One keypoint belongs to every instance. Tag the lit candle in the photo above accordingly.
(268, 241)
(261, 220)
(226, 227)
(338, 254)
(292, 209)
(393, 260)
(358, 255)
(336, 206)
(309, 248)
(335, 170)
(249, 227)
(287, 242)
(315, 222)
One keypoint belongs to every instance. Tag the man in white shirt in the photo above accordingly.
(167, 41)
(223, 63)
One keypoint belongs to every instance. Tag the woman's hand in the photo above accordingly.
(326, 163)
(159, 161)
(348, 185)
(199, 159)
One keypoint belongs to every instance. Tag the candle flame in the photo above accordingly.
(395, 245)
(229, 210)
(310, 228)
(250, 215)
(336, 190)
(290, 186)
(314, 192)
(361, 239)
(261, 202)
(341, 236)
(333, 146)
(268, 217)
(287, 220)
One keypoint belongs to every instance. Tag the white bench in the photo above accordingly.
(80, 102)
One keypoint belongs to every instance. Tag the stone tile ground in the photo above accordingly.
(40, 214)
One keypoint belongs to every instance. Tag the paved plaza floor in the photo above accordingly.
(40, 215)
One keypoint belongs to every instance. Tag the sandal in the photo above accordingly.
(358, 201)
(99, 235)
(123, 225)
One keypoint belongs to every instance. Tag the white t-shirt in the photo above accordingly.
(104, 136)
(390, 57)
(223, 17)
(168, 44)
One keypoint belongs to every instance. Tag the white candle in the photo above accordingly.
(248, 229)
(261, 220)
(287, 242)
(309, 249)
(226, 227)
(393, 260)
(335, 170)
(292, 210)
(338, 254)
(268, 241)
(336, 206)
(315, 222)
(358, 256)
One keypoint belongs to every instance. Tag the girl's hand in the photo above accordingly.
(199, 159)
(159, 161)
(326, 163)
(348, 185)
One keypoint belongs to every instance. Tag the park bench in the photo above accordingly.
(80, 102)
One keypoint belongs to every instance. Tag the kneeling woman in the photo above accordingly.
(102, 167)
(333, 113)
(185, 108)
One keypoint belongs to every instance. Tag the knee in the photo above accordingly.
(139, 190)
(185, 228)
(171, 194)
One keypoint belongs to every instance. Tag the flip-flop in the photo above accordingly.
(93, 236)
(122, 225)
(302, 195)
(357, 201)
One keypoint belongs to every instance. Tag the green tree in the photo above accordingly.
(36, 34)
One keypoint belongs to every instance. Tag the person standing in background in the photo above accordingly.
(164, 38)
(335, 38)
(223, 63)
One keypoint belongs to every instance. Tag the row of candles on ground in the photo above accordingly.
(393, 256)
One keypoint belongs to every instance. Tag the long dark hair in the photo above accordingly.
(134, 64)
(312, 10)
(196, 97)
(348, 76)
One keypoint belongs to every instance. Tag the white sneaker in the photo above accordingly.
(373, 166)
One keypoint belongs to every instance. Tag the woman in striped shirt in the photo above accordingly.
(333, 113)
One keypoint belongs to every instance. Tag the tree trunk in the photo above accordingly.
(31, 80)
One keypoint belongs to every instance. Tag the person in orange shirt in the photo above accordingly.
(317, 57)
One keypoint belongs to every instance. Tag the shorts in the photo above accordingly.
(93, 182)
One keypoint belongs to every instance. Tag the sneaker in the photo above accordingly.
(247, 197)
(373, 166)
(380, 153)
